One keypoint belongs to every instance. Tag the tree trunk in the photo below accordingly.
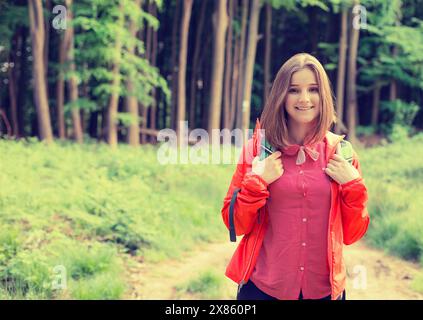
(340, 80)
(153, 59)
(351, 83)
(174, 98)
(267, 53)
(312, 16)
(36, 20)
(72, 83)
(250, 59)
(375, 104)
(114, 97)
(195, 66)
(228, 70)
(241, 65)
(60, 89)
(393, 87)
(22, 80)
(131, 104)
(220, 24)
(183, 52)
(12, 86)
(146, 110)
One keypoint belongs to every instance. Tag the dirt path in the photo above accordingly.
(371, 274)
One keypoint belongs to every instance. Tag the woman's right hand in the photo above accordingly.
(269, 169)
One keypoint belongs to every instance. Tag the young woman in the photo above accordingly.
(300, 205)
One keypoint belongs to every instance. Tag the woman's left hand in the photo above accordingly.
(340, 169)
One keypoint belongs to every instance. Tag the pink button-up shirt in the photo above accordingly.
(293, 257)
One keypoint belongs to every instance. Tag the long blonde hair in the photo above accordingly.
(274, 120)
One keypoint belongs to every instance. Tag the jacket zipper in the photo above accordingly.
(251, 259)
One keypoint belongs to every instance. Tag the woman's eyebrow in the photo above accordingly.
(297, 85)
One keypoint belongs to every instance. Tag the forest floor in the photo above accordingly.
(371, 274)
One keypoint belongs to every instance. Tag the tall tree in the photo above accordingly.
(241, 64)
(72, 81)
(250, 60)
(183, 53)
(60, 90)
(196, 64)
(340, 79)
(228, 70)
(220, 24)
(112, 108)
(267, 52)
(36, 20)
(351, 80)
(133, 136)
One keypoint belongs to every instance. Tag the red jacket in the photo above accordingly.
(348, 218)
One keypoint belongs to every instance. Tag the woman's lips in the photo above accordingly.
(304, 109)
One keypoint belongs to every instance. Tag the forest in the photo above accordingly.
(87, 87)
(120, 71)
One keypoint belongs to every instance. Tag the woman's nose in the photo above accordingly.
(304, 97)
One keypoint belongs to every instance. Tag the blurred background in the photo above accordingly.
(88, 212)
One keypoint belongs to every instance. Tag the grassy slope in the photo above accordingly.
(84, 206)
(70, 212)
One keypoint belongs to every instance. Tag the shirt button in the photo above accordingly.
(301, 172)
(303, 244)
(304, 219)
(302, 268)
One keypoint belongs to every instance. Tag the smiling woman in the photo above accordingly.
(302, 104)
(298, 206)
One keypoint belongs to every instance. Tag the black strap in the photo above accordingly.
(232, 234)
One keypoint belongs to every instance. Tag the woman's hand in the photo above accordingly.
(340, 169)
(269, 169)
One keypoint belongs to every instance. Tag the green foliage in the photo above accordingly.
(98, 25)
(84, 206)
(397, 117)
(365, 130)
(394, 178)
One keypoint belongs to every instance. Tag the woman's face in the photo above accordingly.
(303, 99)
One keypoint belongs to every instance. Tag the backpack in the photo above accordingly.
(267, 150)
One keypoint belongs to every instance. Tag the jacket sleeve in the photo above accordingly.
(253, 194)
(355, 217)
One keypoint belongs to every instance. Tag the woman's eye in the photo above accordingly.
(292, 90)
(314, 89)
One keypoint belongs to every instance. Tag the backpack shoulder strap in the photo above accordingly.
(347, 150)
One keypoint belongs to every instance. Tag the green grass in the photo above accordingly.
(85, 206)
(88, 207)
(207, 285)
(394, 177)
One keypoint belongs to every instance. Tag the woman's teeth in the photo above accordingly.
(303, 109)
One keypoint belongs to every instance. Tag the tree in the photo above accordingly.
(340, 79)
(40, 90)
(133, 137)
(250, 59)
(267, 53)
(351, 81)
(72, 81)
(220, 23)
(186, 16)
(112, 107)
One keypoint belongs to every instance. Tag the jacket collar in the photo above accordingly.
(331, 140)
